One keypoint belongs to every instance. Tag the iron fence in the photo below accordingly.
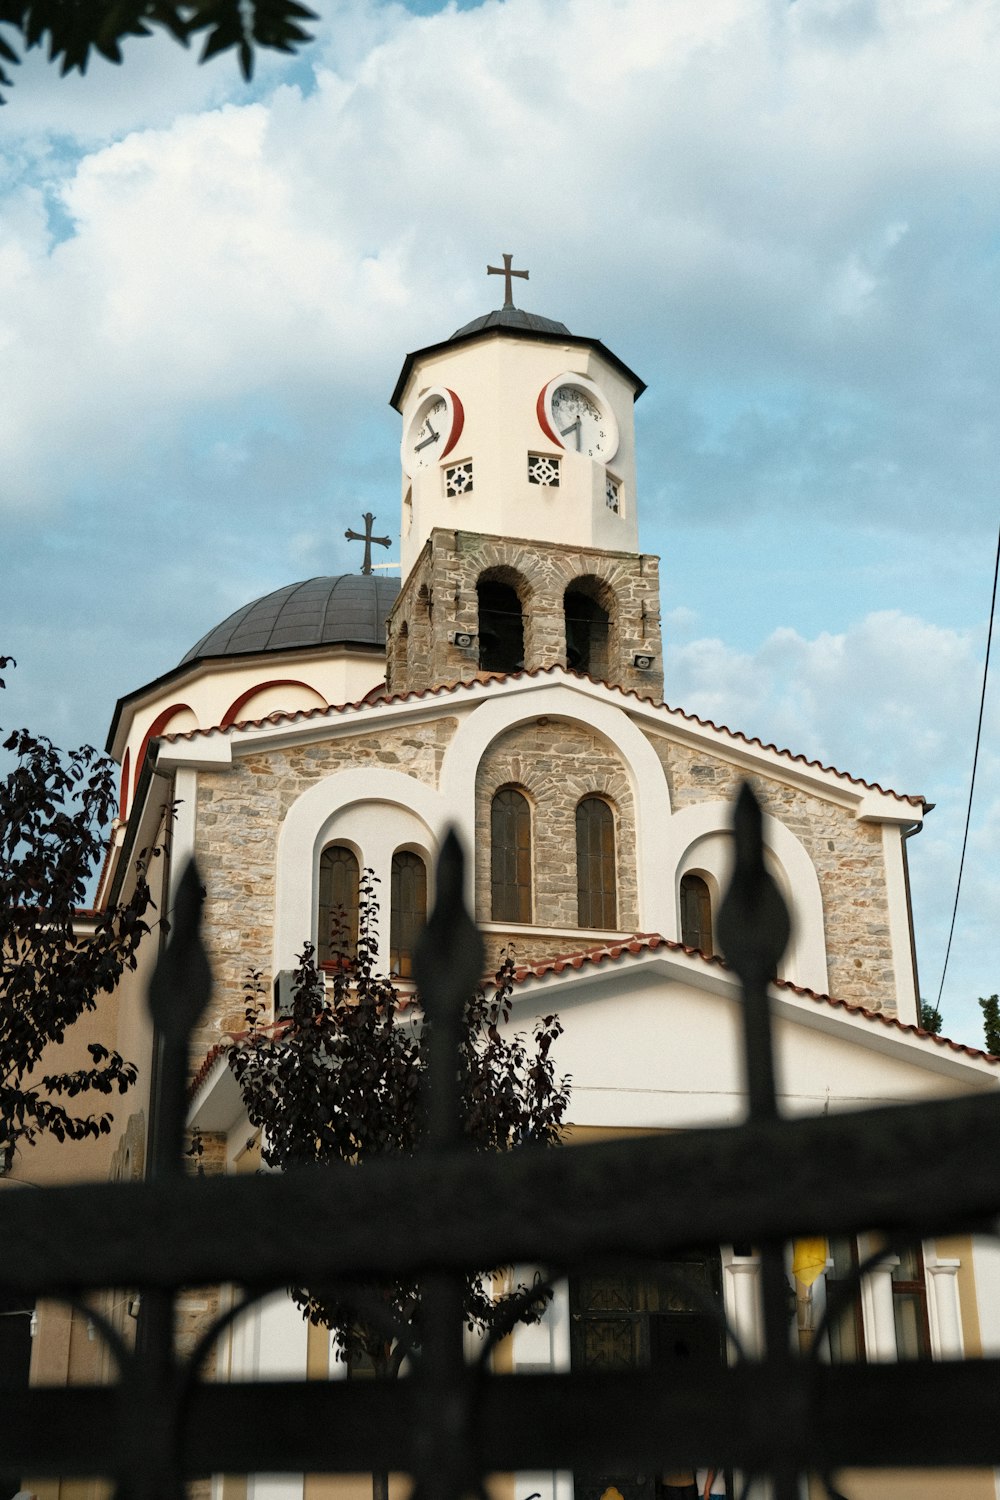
(908, 1171)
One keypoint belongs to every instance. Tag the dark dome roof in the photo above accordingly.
(512, 317)
(348, 608)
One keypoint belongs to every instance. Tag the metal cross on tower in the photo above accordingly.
(367, 538)
(506, 273)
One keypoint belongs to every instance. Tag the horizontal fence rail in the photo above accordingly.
(834, 1416)
(906, 1168)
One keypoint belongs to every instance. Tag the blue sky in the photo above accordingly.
(785, 217)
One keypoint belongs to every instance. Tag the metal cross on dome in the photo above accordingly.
(367, 538)
(506, 272)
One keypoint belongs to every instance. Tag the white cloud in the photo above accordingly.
(763, 186)
(893, 700)
(784, 216)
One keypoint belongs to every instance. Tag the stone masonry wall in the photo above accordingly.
(239, 814)
(556, 764)
(439, 598)
(846, 854)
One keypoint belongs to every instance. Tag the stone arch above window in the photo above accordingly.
(697, 839)
(588, 611)
(510, 856)
(596, 864)
(337, 920)
(697, 925)
(500, 594)
(407, 910)
(556, 763)
(125, 783)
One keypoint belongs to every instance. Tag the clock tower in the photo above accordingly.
(519, 527)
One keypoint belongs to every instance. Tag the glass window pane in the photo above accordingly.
(510, 857)
(408, 910)
(337, 925)
(696, 914)
(908, 1315)
(596, 874)
(845, 1332)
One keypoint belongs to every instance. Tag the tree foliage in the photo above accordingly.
(931, 1018)
(341, 1081)
(72, 30)
(54, 808)
(990, 1007)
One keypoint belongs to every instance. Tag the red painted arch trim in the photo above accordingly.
(232, 712)
(543, 420)
(158, 725)
(457, 425)
(123, 794)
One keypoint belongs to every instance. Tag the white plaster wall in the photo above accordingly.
(269, 1342)
(498, 381)
(544, 1346)
(331, 676)
(650, 1050)
(986, 1269)
(907, 1000)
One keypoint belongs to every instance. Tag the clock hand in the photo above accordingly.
(573, 427)
(432, 439)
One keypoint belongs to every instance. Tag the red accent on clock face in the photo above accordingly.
(457, 425)
(543, 420)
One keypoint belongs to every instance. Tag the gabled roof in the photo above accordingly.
(491, 682)
(649, 942)
(633, 950)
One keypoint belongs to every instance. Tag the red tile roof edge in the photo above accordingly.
(650, 941)
(487, 679)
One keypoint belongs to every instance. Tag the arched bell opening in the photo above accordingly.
(501, 625)
(587, 605)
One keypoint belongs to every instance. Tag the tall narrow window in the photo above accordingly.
(587, 631)
(408, 910)
(510, 857)
(696, 914)
(596, 881)
(337, 928)
(909, 1305)
(501, 627)
(846, 1328)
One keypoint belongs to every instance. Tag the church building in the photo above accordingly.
(511, 685)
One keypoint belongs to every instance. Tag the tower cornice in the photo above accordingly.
(506, 329)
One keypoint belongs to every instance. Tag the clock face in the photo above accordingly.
(574, 411)
(433, 431)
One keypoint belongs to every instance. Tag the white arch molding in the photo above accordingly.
(376, 811)
(697, 838)
(647, 782)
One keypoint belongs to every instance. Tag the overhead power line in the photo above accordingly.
(972, 780)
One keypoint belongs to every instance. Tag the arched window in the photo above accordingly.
(337, 928)
(587, 631)
(596, 886)
(510, 857)
(501, 627)
(696, 914)
(407, 910)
